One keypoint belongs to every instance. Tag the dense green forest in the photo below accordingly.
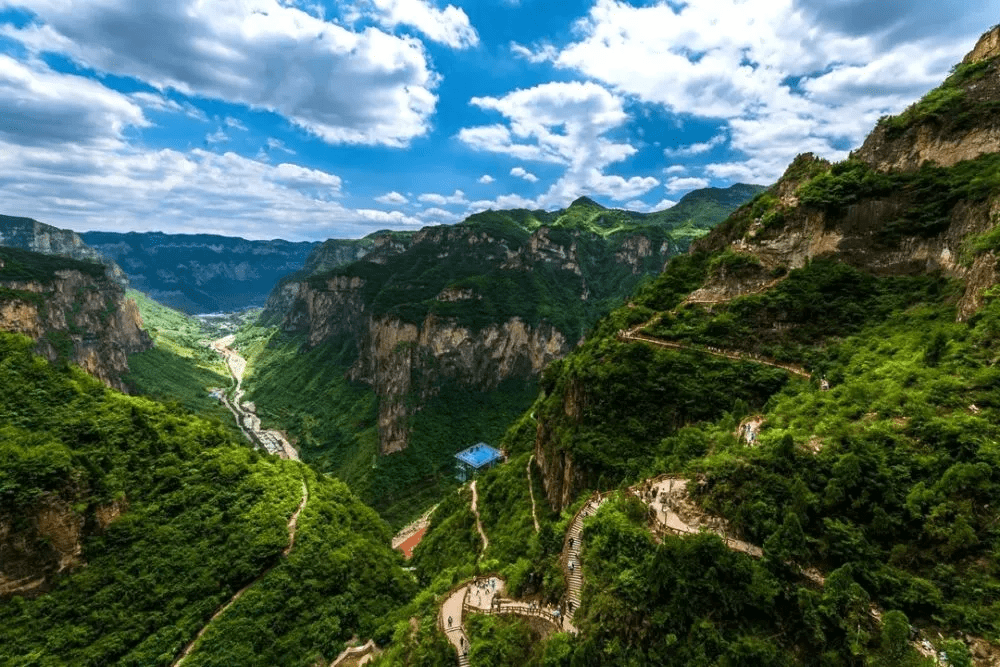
(203, 516)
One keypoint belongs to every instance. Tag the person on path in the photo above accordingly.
(449, 621)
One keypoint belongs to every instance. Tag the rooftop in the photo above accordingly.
(479, 455)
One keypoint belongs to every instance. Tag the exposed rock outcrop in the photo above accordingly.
(400, 360)
(29, 234)
(78, 317)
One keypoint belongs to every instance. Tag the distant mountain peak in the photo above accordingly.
(586, 202)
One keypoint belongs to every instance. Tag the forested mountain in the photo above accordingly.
(783, 449)
(202, 273)
(434, 340)
(819, 376)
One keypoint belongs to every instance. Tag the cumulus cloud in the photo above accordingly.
(217, 137)
(675, 169)
(42, 107)
(365, 87)
(770, 70)
(681, 184)
(562, 123)
(439, 215)
(457, 198)
(663, 205)
(486, 179)
(526, 175)
(392, 198)
(449, 26)
(541, 54)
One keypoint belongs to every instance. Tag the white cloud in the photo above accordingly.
(449, 26)
(40, 106)
(526, 175)
(278, 145)
(486, 179)
(457, 198)
(235, 123)
(636, 205)
(680, 184)
(392, 198)
(663, 205)
(365, 87)
(738, 61)
(439, 215)
(695, 149)
(541, 54)
(565, 124)
(217, 137)
(675, 169)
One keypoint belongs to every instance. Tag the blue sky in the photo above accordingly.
(311, 119)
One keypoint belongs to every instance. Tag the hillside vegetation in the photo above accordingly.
(196, 516)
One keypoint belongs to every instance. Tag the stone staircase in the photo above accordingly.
(571, 561)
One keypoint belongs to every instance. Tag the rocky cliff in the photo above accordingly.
(29, 234)
(326, 256)
(920, 197)
(494, 298)
(73, 311)
(201, 273)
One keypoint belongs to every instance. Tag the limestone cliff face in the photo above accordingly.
(29, 234)
(561, 478)
(400, 360)
(404, 360)
(330, 254)
(48, 540)
(964, 132)
(75, 316)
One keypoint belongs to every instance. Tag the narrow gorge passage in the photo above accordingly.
(273, 442)
(293, 523)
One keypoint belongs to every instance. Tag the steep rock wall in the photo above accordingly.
(86, 320)
(400, 359)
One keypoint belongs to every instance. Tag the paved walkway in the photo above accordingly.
(633, 335)
(293, 523)
(479, 524)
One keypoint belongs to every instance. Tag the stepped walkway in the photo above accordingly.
(293, 523)
(671, 512)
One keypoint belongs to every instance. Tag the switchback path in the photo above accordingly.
(293, 523)
(633, 335)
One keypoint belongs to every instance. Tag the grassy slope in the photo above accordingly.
(205, 516)
(178, 368)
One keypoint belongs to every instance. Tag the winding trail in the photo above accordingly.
(479, 525)
(531, 490)
(633, 335)
(293, 523)
(671, 512)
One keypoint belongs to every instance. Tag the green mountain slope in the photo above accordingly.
(434, 341)
(170, 517)
(821, 370)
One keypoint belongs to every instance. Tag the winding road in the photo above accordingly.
(274, 442)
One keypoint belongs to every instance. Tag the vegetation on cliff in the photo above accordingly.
(198, 517)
